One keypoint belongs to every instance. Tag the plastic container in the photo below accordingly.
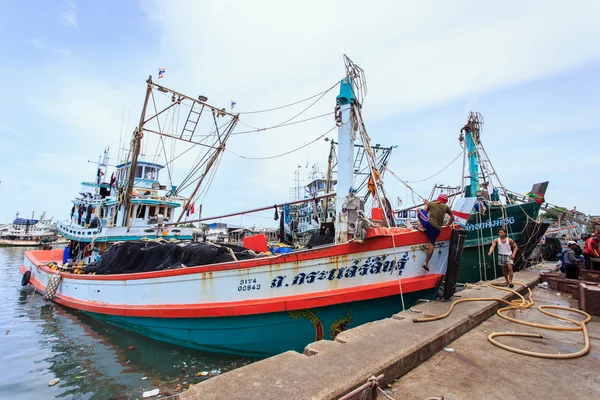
(256, 243)
(66, 255)
(377, 214)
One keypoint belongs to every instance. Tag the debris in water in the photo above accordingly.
(144, 378)
(131, 348)
(53, 381)
(203, 373)
(450, 349)
(150, 393)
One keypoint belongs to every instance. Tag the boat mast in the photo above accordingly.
(345, 175)
(136, 142)
(471, 132)
(325, 207)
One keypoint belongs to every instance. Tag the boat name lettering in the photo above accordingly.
(491, 223)
(370, 266)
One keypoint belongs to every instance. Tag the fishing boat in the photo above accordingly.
(517, 213)
(29, 232)
(303, 219)
(98, 217)
(264, 304)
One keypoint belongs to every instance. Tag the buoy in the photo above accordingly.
(25, 279)
(53, 381)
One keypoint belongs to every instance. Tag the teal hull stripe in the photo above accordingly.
(263, 335)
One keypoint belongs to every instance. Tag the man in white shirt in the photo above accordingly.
(507, 251)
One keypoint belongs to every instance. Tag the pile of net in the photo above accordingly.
(146, 256)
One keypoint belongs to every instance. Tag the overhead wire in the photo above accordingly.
(440, 171)
(291, 104)
(279, 125)
(287, 152)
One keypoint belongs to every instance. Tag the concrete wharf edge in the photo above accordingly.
(330, 369)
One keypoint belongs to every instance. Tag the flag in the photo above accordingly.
(371, 185)
(233, 103)
(299, 166)
(161, 73)
(190, 210)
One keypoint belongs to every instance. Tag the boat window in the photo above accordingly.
(139, 171)
(321, 185)
(150, 173)
(141, 211)
(131, 211)
(161, 210)
(102, 212)
(152, 211)
(168, 212)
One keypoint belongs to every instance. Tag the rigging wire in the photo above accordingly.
(287, 152)
(295, 116)
(291, 104)
(279, 125)
(162, 141)
(440, 171)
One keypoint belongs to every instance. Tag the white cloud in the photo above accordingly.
(68, 17)
(418, 56)
(10, 130)
(60, 50)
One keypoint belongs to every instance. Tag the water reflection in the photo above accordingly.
(93, 359)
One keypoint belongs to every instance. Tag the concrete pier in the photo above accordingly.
(475, 369)
(330, 369)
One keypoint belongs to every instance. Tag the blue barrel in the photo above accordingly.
(66, 255)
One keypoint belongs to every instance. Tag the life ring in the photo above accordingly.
(26, 278)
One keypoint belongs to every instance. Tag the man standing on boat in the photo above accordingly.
(507, 251)
(591, 249)
(431, 220)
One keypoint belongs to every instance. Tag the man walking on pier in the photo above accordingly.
(507, 251)
(431, 220)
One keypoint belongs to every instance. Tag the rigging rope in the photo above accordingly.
(291, 104)
(279, 125)
(283, 154)
(403, 182)
(440, 171)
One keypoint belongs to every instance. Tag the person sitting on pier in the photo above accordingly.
(506, 256)
(590, 250)
(431, 220)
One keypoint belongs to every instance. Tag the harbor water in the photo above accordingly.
(41, 341)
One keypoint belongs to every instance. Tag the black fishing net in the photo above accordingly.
(325, 235)
(142, 256)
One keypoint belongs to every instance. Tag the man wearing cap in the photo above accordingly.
(431, 220)
(571, 259)
(591, 249)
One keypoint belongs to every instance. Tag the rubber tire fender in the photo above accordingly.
(26, 278)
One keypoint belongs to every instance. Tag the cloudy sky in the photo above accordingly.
(73, 77)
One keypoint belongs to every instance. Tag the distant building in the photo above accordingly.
(220, 232)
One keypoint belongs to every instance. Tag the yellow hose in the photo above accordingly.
(521, 304)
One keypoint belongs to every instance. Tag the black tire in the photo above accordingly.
(26, 277)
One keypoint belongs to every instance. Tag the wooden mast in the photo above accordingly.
(136, 142)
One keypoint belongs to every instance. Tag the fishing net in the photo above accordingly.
(146, 256)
